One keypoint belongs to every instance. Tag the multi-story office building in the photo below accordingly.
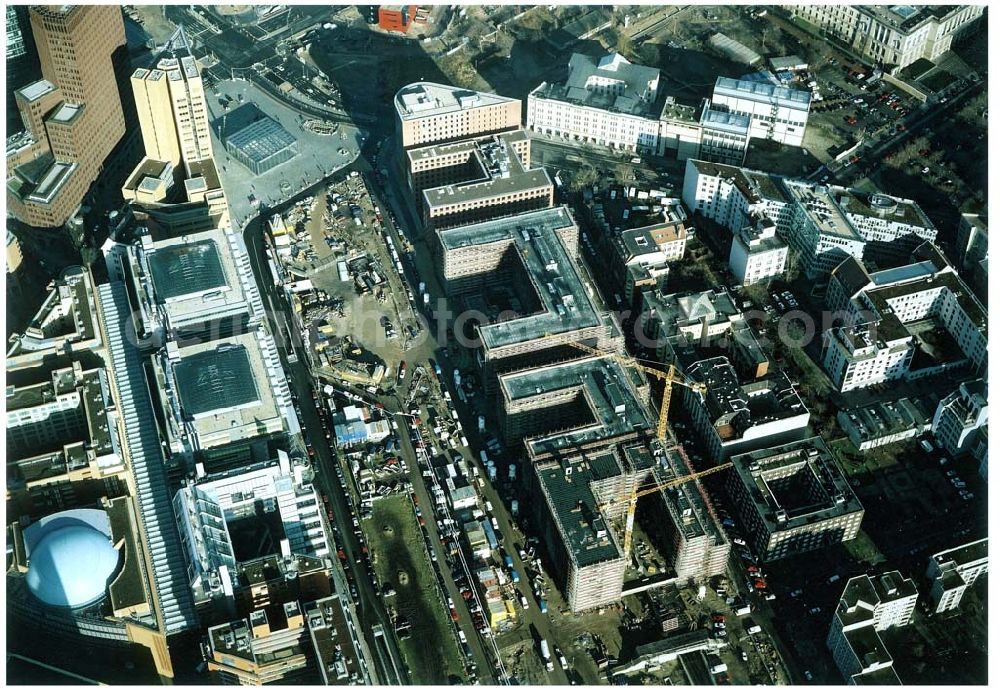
(872, 426)
(862, 355)
(583, 404)
(892, 36)
(882, 312)
(176, 186)
(581, 545)
(586, 426)
(868, 606)
(793, 498)
(15, 36)
(959, 414)
(819, 231)
(678, 319)
(494, 181)
(225, 402)
(736, 416)
(73, 117)
(66, 325)
(195, 286)
(612, 102)
(775, 113)
(170, 100)
(606, 100)
(531, 257)
(955, 570)
(213, 512)
(641, 256)
(823, 224)
(757, 254)
(290, 644)
(428, 113)
(734, 197)
(464, 161)
(972, 246)
(694, 541)
(76, 582)
(62, 442)
(725, 135)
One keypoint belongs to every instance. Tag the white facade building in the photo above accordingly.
(955, 570)
(823, 225)
(757, 254)
(206, 509)
(775, 113)
(892, 36)
(858, 356)
(867, 607)
(611, 102)
(879, 309)
(960, 414)
(608, 101)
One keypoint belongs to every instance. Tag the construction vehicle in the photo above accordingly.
(672, 376)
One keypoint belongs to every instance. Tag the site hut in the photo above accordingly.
(793, 498)
(521, 273)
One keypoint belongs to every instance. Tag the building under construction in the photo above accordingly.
(521, 273)
(581, 472)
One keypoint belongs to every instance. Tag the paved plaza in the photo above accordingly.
(317, 156)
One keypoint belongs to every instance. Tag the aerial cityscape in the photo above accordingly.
(503, 345)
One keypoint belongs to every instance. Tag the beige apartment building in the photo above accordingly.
(429, 113)
(73, 116)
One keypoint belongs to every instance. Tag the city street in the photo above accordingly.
(369, 606)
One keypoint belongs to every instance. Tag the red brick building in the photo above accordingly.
(396, 17)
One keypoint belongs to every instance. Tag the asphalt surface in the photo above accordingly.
(369, 607)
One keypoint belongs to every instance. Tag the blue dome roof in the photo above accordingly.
(70, 565)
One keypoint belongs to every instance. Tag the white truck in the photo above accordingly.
(543, 646)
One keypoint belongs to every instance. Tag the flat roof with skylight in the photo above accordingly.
(227, 389)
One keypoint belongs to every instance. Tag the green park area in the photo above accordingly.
(397, 548)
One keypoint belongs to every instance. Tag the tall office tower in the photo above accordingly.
(15, 37)
(170, 100)
(22, 61)
(73, 116)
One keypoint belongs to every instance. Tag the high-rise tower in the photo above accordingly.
(73, 116)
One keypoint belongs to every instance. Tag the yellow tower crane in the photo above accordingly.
(633, 499)
(670, 377)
